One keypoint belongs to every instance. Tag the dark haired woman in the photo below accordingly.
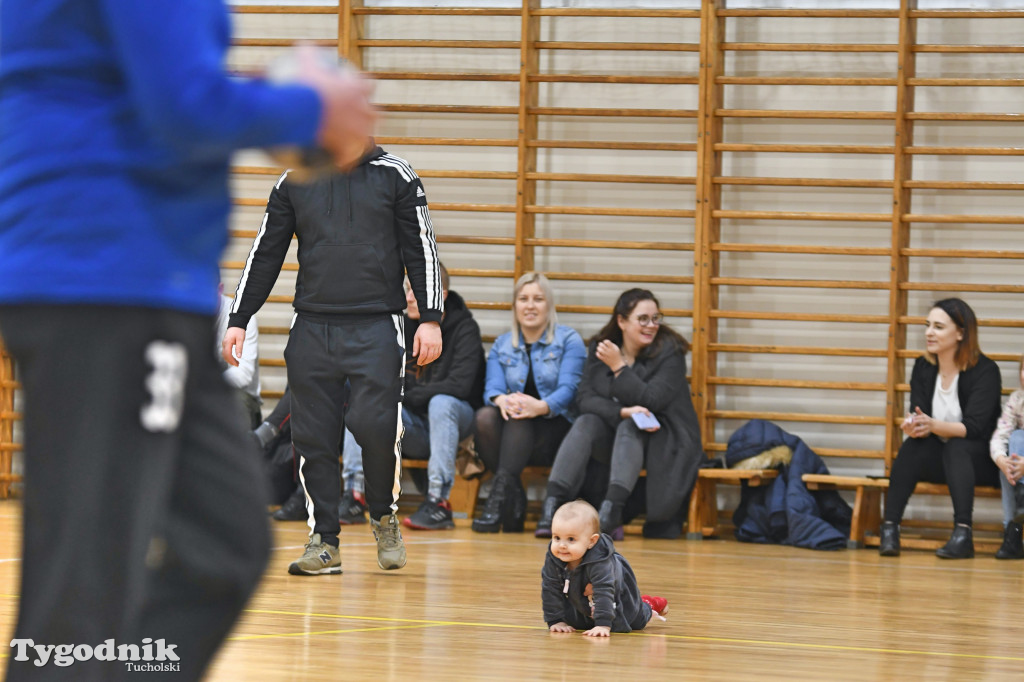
(955, 393)
(635, 365)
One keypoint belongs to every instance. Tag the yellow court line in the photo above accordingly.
(693, 638)
(243, 638)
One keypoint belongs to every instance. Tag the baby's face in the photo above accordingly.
(571, 538)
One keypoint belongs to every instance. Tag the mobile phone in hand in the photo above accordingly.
(645, 421)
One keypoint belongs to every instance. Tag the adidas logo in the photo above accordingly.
(420, 192)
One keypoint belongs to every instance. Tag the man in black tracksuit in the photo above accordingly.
(359, 233)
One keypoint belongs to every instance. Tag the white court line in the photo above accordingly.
(416, 543)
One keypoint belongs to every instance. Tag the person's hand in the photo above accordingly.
(501, 402)
(907, 426)
(599, 631)
(562, 627)
(231, 346)
(522, 406)
(426, 345)
(347, 118)
(610, 354)
(627, 412)
(1005, 465)
(1016, 468)
(922, 426)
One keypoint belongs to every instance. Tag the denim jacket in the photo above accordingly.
(557, 367)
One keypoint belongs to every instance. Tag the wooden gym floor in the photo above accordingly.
(467, 607)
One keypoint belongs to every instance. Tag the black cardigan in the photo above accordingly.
(979, 390)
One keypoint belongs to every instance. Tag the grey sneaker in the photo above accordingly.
(319, 558)
(390, 548)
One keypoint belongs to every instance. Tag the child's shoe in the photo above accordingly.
(659, 605)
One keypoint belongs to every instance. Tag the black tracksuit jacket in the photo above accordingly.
(358, 233)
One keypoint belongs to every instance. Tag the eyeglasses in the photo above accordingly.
(649, 320)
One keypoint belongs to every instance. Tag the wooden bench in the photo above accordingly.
(703, 520)
(867, 508)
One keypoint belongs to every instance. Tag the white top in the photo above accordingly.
(946, 403)
(246, 376)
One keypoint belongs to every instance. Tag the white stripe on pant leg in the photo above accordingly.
(309, 500)
(396, 489)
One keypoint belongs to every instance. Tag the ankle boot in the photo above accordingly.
(960, 545)
(889, 539)
(514, 516)
(1013, 546)
(547, 512)
(1018, 498)
(490, 518)
(610, 515)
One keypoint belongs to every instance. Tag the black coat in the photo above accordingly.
(617, 602)
(674, 453)
(458, 372)
(978, 388)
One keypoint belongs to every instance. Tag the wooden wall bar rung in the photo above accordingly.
(963, 287)
(967, 82)
(610, 244)
(473, 272)
(805, 148)
(800, 215)
(436, 11)
(440, 76)
(966, 14)
(472, 208)
(798, 417)
(981, 219)
(622, 113)
(611, 79)
(797, 350)
(799, 248)
(961, 253)
(281, 42)
(805, 47)
(597, 177)
(964, 185)
(967, 151)
(445, 141)
(618, 47)
(983, 322)
(637, 146)
(952, 116)
(447, 109)
(642, 13)
(438, 44)
(598, 210)
(282, 9)
(803, 80)
(796, 383)
(797, 317)
(999, 357)
(459, 239)
(803, 182)
(608, 277)
(969, 49)
(811, 13)
(806, 114)
(798, 283)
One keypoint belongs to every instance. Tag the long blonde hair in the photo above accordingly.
(545, 286)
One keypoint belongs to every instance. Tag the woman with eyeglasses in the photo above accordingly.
(529, 400)
(635, 407)
(955, 391)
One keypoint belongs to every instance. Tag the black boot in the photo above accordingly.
(547, 512)
(294, 508)
(1013, 546)
(960, 545)
(514, 517)
(490, 518)
(610, 515)
(889, 540)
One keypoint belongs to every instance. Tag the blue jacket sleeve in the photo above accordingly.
(494, 383)
(171, 53)
(570, 369)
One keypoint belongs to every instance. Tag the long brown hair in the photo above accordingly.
(967, 350)
(628, 300)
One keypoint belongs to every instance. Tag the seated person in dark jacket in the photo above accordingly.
(955, 393)
(586, 584)
(437, 411)
(636, 365)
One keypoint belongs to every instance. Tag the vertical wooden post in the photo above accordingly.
(350, 29)
(707, 229)
(899, 263)
(526, 190)
(6, 423)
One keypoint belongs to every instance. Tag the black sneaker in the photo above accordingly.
(294, 508)
(352, 509)
(433, 514)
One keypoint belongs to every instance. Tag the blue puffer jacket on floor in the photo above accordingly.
(785, 511)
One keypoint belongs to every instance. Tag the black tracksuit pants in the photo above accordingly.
(144, 506)
(322, 354)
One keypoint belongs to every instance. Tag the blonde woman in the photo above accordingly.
(529, 399)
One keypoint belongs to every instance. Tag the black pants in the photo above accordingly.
(144, 505)
(513, 445)
(621, 449)
(367, 351)
(959, 463)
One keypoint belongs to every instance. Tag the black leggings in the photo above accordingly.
(959, 463)
(513, 445)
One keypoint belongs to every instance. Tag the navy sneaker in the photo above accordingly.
(433, 514)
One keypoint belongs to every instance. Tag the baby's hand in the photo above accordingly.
(561, 627)
(599, 631)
